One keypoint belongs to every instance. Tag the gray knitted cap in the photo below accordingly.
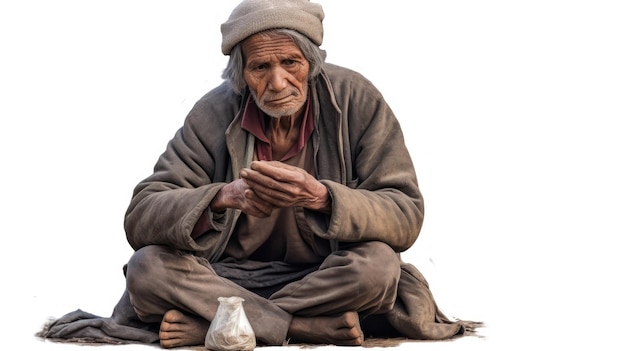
(254, 16)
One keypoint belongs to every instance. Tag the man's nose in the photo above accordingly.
(278, 79)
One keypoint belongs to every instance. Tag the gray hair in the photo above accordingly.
(233, 72)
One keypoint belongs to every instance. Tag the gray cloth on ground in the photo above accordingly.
(123, 327)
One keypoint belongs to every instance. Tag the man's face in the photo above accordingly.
(276, 73)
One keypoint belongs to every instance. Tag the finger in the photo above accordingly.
(277, 193)
(262, 183)
(277, 170)
(276, 199)
(271, 164)
(264, 194)
(256, 206)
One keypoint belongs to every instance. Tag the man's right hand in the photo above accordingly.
(238, 195)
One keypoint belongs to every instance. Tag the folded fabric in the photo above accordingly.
(416, 315)
(123, 327)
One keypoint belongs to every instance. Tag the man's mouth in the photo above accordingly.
(280, 100)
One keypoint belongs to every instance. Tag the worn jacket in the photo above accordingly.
(360, 156)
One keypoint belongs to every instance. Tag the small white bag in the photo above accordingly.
(230, 329)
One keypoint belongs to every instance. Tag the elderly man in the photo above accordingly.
(290, 186)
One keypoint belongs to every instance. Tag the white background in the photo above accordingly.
(512, 110)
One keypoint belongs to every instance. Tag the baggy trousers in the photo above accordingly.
(362, 277)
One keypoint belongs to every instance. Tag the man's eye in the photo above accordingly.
(289, 62)
(260, 67)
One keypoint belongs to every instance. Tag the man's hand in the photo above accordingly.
(281, 185)
(237, 194)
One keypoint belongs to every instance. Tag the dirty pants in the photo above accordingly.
(362, 277)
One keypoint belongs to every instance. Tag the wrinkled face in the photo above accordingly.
(276, 73)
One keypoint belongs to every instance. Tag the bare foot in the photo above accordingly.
(178, 329)
(341, 330)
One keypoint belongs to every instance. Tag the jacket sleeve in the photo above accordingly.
(166, 206)
(382, 201)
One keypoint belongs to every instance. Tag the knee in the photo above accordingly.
(378, 266)
(144, 269)
(374, 266)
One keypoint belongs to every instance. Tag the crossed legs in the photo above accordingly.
(180, 292)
